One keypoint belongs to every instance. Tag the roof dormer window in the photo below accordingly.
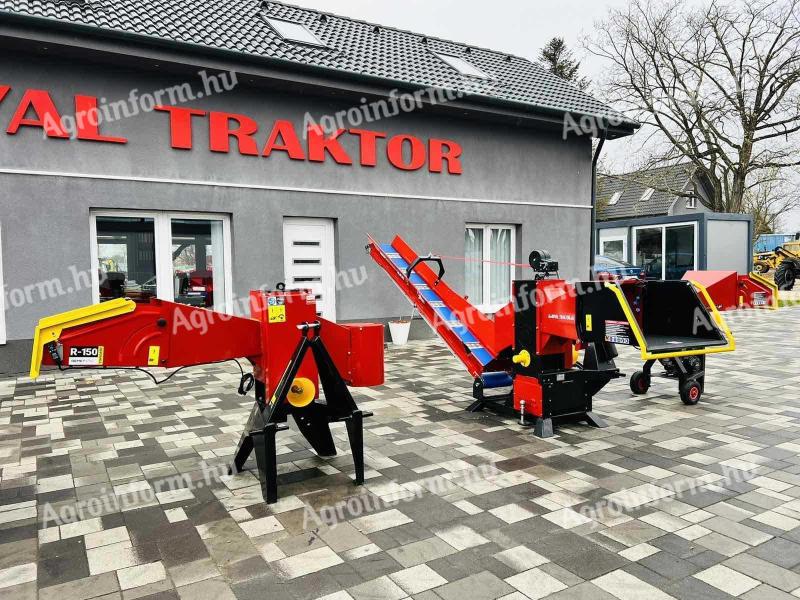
(293, 32)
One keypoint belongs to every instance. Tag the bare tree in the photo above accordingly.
(717, 85)
(768, 201)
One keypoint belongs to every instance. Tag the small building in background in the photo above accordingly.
(659, 220)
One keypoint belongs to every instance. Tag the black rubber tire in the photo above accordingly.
(691, 392)
(761, 268)
(640, 383)
(785, 275)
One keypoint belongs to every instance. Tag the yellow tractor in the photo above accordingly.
(787, 269)
(764, 262)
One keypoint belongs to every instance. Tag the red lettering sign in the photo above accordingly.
(404, 151)
(87, 122)
(221, 132)
(445, 150)
(47, 117)
(180, 125)
(368, 145)
(284, 130)
(319, 144)
(395, 152)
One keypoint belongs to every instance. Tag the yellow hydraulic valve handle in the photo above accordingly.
(523, 358)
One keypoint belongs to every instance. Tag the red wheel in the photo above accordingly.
(691, 393)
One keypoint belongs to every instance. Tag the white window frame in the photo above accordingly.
(691, 203)
(614, 238)
(646, 195)
(487, 283)
(664, 228)
(162, 228)
(614, 198)
(462, 66)
(311, 40)
(3, 338)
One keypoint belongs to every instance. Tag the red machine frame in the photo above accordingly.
(284, 325)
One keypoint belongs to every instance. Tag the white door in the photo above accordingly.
(308, 259)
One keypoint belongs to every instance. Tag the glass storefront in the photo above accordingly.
(665, 251)
(649, 251)
(162, 255)
(197, 261)
(126, 256)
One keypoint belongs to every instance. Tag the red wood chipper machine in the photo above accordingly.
(524, 358)
(276, 339)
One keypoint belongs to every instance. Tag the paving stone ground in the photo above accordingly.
(668, 501)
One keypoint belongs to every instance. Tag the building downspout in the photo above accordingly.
(593, 219)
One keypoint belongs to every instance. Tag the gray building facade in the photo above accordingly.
(501, 169)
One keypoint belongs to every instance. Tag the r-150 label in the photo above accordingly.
(85, 356)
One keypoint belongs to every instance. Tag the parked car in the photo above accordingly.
(609, 269)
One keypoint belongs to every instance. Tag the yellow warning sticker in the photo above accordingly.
(277, 314)
(588, 322)
(152, 356)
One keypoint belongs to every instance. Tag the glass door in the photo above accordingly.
(197, 262)
(126, 258)
(649, 251)
(679, 255)
(666, 251)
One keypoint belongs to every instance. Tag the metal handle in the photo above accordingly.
(429, 258)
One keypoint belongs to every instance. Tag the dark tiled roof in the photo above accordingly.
(352, 46)
(633, 185)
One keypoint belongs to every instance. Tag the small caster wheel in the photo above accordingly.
(640, 383)
(691, 392)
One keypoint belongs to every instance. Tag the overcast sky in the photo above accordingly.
(519, 27)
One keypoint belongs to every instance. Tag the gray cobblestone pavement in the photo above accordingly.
(112, 487)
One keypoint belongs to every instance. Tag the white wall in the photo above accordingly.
(727, 247)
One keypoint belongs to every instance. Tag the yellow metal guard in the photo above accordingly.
(771, 285)
(49, 329)
(640, 341)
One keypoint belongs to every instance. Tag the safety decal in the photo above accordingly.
(85, 356)
(277, 314)
(588, 322)
(276, 309)
(152, 356)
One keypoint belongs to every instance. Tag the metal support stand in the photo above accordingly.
(313, 421)
(595, 421)
(355, 432)
(543, 428)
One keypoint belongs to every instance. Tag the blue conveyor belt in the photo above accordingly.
(439, 307)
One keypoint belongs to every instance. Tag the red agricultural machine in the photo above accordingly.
(524, 357)
(276, 340)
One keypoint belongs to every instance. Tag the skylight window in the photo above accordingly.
(294, 32)
(462, 66)
(648, 193)
(615, 198)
